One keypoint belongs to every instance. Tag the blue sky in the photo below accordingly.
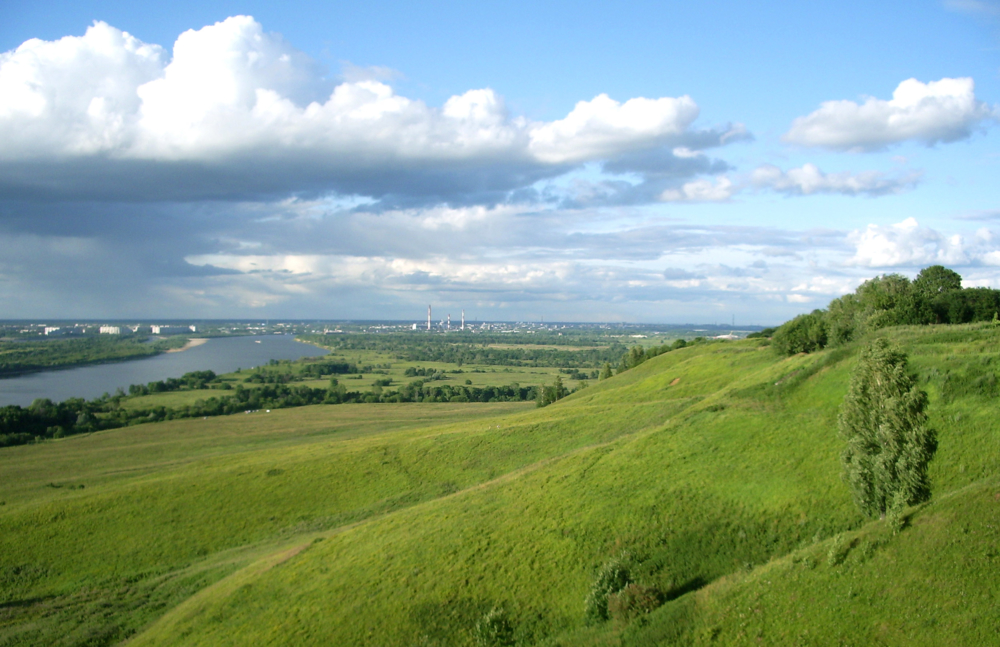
(662, 162)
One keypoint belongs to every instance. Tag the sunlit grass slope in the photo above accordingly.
(706, 489)
(744, 471)
(403, 524)
(123, 518)
(932, 584)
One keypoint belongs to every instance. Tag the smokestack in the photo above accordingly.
(428, 318)
(448, 327)
(463, 320)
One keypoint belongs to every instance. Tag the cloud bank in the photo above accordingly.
(231, 176)
(237, 112)
(907, 244)
(808, 179)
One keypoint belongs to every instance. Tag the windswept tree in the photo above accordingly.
(883, 422)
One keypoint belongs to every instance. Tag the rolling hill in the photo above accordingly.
(712, 471)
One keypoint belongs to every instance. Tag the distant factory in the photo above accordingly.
(444, 323)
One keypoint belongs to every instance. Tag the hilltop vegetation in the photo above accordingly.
(935, 296)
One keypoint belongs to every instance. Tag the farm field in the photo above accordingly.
(712, 470)
(393, 370)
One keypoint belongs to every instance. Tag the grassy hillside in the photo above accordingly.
(714, 467)
(932, 584)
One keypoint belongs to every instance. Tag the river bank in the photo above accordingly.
(223, 355)
(191, 343)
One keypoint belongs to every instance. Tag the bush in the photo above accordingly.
(838, 550)
(611, 578)
(632, 601)
(494, 629)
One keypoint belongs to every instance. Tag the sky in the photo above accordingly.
(658, 162)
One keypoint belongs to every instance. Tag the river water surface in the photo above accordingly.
(220, 354)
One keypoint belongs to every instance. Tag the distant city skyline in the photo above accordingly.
(660, 163)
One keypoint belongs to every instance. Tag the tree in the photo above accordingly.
(844, 320)
(606, 371)
(887, 300)
(803, 334)
(558, 390)
(883, 422)
(937, 279)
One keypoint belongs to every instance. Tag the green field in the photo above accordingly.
(476, 375)
(714, 468)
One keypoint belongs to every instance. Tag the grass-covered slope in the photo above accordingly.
(932, 584)
(710, 465)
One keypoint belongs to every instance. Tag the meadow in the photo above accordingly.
(711, 471)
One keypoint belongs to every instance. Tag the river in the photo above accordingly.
(219, 354)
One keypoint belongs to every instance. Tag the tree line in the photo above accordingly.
(935, 296)
(45, 419)
(470, 351)
(26, 356)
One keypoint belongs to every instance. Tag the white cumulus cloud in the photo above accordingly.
(238, 109)
(704, 190)
(603, 127)
(907, 244)
(809, 179)
(934, 112)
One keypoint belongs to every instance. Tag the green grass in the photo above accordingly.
(932, 584)
(716, 466)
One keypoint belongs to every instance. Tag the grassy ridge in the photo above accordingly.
(713, 465)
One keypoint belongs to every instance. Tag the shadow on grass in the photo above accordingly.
(693, 584)
(27, 602)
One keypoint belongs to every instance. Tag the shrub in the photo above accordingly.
(611, 578)
(494, 629)
(632, 601)
(838, 550)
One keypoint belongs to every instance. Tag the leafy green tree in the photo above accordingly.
(606, 371)
(803, 334)
(636, 356)
(937, 279)
(883, 422)
(887, 300)
(939, 297)
(844, 320)
(558, 389)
